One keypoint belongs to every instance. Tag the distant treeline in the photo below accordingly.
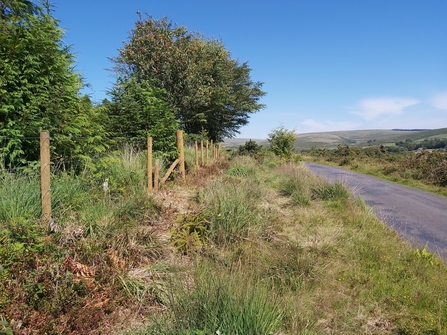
(433, 143)
(409, 129)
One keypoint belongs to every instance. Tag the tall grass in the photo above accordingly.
(231, 207)
(19, 197)
(221, 301)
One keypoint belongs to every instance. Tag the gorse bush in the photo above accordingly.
(428, 166)
(423, 167)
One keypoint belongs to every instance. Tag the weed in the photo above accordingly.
(191, 233)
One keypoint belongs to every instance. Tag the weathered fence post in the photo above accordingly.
(149, 165)
(181, 149)
(45, 181)
(212, 148)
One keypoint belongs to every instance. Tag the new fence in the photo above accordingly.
(154, 181)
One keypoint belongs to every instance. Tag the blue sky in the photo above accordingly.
(326, 64)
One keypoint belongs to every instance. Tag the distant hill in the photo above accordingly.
(332, 139)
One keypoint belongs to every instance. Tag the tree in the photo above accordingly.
(210, 91)
(17, 8)
(281, 142)
(139, 110)
(39, 89)
(249, 148)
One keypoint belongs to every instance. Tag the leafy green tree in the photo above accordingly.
(233, 97)
(39, 89)
(211, 92)
(139, 110)
(281, 142)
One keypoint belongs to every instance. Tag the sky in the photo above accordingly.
(326, 65)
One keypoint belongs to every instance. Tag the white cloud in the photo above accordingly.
(372, 108)
(440, 101)
(328, 125)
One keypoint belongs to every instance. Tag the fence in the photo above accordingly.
(154, 182)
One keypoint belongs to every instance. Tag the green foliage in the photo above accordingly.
(190, 139)
(210, 91)
(139, 110)
(298, 184)
(281, 142)
(5, 330)
(39, 89)
(428, 143)
(249, 148)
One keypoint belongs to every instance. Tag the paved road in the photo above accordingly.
(418, 216)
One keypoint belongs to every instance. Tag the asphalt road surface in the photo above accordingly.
(419, 217)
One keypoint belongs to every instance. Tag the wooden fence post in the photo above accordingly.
(181, 149)
(201, 152)
(207, 151)
(196, 150)
(149, 165)
(212, 148)
(45, 179)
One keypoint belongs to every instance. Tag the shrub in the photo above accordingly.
(249, 148)
(281, 142)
